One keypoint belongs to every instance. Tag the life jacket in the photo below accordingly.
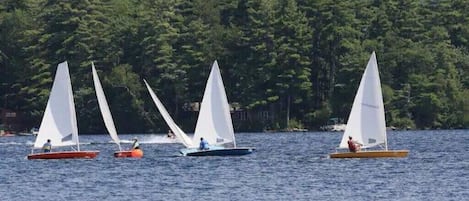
(47, 147)
(203, 145)
(351, 146)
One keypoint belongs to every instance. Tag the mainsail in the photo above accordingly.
(214, 123)
(59, 121)
(366, 123)
(104, 107)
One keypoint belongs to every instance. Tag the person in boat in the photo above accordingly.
(170, 134)
(47, 147)
(135, 144)
(353, 146)
(203, 144)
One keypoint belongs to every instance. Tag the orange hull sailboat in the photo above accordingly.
(136, 153)
(108, 121)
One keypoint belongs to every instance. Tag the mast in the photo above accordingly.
(386, 143)
(78, 145)
(73, 113)
(288, 112)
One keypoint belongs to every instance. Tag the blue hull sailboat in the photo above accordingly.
(214, 123)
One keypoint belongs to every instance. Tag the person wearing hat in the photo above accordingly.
(135, 145)
(353, 146)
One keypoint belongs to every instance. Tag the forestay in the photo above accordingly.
(214, 122)
(366, 123)
(59, 123)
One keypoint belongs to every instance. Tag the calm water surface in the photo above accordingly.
(285, 166)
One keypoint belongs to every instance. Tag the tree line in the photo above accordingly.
(300, 60)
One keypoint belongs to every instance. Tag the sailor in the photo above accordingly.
(203, 144)
(353, 146)
(135, 145)
(170, 134)
(47, 146)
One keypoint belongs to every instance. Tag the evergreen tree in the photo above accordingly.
(292, 72)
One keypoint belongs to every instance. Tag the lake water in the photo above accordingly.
(285, 166)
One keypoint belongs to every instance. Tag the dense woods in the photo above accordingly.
(285, 63)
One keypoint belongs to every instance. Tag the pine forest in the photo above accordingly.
(286, 64)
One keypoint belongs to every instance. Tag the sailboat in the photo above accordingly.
(108, 121)
(59, 123)
(214, 123)
(367, 124)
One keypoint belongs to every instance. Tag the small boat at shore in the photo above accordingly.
(367, 123)
(32, 132)
(7, 134)
(59, 123)
(24, 134)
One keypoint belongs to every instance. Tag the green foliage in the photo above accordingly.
(320, 116)
(127, 92)
(299, 60)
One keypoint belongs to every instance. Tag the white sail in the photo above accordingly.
(214, 123)
(59, 123)
(172, 125)
(104, 107)
(366, 123)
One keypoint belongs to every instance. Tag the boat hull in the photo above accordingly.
(137, 153)
(25, 134)
(371, 154)
(64, 155)
(218, 152)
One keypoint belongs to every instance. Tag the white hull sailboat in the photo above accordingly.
(108, 121)
(367, 124)
(214, 122)
(59, 124)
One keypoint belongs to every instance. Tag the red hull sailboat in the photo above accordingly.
(59, 123)
(64, 155)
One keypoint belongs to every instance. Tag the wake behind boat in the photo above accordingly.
(160, 139)
(367, 124)
(214, 123)
(59, 124)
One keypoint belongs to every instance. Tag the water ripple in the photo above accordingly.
(285, 166)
